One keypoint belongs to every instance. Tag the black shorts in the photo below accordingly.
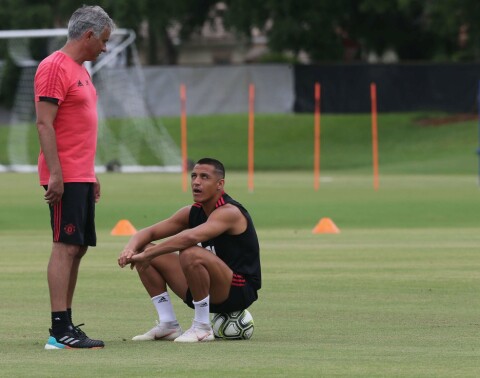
(240, 297)
(73, 218)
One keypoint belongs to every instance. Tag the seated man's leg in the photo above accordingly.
(206, 274)
(163, 270)
(209, 279)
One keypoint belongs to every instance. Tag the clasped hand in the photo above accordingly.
(129, 256)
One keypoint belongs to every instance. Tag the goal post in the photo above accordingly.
(130, 137)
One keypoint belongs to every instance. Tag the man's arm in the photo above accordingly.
(227, 219)
(46, 113)
(168, 227)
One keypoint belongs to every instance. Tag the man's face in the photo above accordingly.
(206, 182)
(97, 45)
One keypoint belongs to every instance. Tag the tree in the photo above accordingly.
(160, 18)
(456, 24)
(290, 25)
(324, 29)
(445, 30)
(416, 29)
(401, 25)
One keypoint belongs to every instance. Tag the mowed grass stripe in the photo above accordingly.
(388, 296)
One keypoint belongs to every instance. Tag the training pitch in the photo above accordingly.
(395, 293)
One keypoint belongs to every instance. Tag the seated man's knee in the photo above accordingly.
(191, 256)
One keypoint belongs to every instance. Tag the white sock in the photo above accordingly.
(164, 308)
(202, 310)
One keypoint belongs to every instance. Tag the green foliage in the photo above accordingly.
(290, 27)
(380, 22)
(273, 57)
(415, 30)
(430, 30)
(456, 25)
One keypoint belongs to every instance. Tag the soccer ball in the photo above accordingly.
(236, 325)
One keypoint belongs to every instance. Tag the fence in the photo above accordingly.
(401, 87)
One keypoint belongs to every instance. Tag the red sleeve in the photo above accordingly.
(51, 81)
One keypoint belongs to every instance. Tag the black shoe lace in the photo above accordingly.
(79, 331)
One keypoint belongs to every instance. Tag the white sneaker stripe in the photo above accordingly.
(69, 340)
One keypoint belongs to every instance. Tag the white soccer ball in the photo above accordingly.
(236, 325)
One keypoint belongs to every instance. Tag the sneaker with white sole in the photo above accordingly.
(162, 331)
(198, 332)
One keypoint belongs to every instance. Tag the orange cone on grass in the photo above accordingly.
(326, 226)
(123, 228)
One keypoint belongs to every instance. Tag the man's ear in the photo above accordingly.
(88, 34)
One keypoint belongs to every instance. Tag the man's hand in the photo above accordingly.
(141, 260)
(96, 190)
(135, 257)
(54, 192)
(125, 258)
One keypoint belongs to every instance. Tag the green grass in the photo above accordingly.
(394, 294)
(285, 142)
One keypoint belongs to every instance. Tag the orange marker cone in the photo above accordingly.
(325, 226)
(123, 228)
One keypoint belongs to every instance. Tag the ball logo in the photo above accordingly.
(69, 229)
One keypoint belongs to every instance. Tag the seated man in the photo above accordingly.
(209, 257)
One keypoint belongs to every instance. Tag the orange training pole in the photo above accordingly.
(251, 121)
(316, 152)
(373, 95)
(183, 107)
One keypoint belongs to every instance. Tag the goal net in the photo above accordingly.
(130, 138)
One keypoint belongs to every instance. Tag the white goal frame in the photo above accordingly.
(128, 40)
(129, 34)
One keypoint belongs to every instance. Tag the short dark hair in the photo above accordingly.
(219, 168)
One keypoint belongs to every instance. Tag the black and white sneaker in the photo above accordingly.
(79, 330)
(73, 338)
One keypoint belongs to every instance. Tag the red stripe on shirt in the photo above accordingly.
(220, 202)
(57, 60)
(238, 280)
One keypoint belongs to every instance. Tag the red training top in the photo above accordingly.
(76, 125)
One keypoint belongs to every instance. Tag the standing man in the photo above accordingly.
(66, 107)
(210, 258)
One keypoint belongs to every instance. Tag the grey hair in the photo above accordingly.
(89, 17)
